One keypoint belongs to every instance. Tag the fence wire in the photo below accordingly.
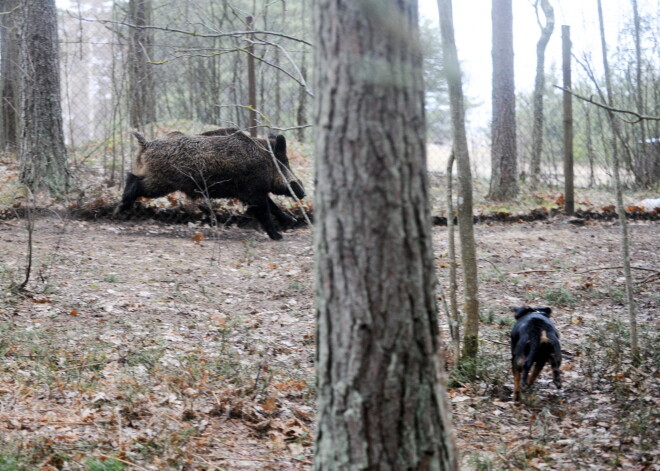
(201, 83)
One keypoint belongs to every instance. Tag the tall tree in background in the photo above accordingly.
(539, 86)
(9, 73)
(41, 151)
(647, 167)
(141, 80)
(503, 181)
(379, 399)
(460, 149)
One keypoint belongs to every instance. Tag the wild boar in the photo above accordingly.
(217, 166)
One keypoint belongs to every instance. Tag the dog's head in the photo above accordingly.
(524, 310)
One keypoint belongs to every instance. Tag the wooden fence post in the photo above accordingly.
(569, 196)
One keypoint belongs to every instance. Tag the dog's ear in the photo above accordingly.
(521, 311)
(545, 310)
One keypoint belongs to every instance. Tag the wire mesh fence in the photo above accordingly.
(199, 81)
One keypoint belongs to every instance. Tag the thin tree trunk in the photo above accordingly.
(301, 117)
(503, 182)
(252, 81)
(460, 149)
(567, 111)
(9, 74)
(41, 151)
(379, 399)
(644, 162)
(625, 240)
(141, 79)
(452, 314)
(591, 154)
(539, 89)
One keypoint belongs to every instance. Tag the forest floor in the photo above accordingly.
(149, 346)
(159, 343)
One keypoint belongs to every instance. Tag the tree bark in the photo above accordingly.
(539, 89)
(379, 399)
(41, 151)
(141, 79)
(503, 182)
(465, 220)
(9, 74)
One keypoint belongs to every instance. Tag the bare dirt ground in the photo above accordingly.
(142, 345)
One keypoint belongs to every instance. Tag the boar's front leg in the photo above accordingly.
(261, 208)
(281, 216)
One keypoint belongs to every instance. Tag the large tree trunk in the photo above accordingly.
(503, 182)
(41, 151)
(141, 77)
(380, 402)
(9, 74)
(465, 222)
(539, 89)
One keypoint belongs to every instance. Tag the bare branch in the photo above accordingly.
(194, 33)
(638, 117)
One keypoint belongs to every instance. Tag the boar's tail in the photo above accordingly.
(141, 140)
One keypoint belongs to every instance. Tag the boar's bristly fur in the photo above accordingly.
(217, 166)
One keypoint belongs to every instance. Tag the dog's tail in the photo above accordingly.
(544, 337)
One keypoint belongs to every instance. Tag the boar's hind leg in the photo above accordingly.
(261, 209)
(133, 190)
(280, 215)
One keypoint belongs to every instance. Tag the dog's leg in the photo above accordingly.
(535, 373)
(555, 362)
(525, 372)
(516, 384)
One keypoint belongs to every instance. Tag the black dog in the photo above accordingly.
(534, 341)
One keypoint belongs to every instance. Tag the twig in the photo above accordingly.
(524, 272)
(499, 272)
(619, 267)
(493, 341)
(648, 278)
(124, 461)
(638, 116)
(29, 225)
(233, 458)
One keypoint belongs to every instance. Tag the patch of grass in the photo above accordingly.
(487, 317)
(485, 372)
(249, 251)
(110, 464)
(618, 295)
(296, 286)
(480, 463)
(605, 360)
(559, 296)
(10, 462)
(148, 357)
(111, 278)
(494, 275)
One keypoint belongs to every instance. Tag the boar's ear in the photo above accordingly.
(141, 140)
(544, 310)
(521, 311)
(280, 146)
